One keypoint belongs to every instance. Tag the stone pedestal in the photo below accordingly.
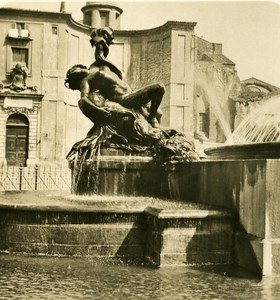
(116, 172)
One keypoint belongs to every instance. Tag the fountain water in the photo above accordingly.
(214, 99)
(261, 125)
(257, 136)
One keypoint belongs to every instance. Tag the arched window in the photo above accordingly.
(254, 88)
(17, 136)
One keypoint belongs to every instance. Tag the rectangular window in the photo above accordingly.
(203, 123)
(104, 16)
(20, 56)
(54, 30)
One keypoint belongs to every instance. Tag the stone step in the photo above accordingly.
(100, 234)
(125, 252)
(72, 230)
(51, 215)
(162, 236)
(75, 239)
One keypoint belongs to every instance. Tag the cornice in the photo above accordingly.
(37, 14)
(101, 5)
(21, 95)
(177, 25)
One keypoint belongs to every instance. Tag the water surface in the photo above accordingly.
(25, 277)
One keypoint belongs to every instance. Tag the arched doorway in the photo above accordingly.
(17, 131)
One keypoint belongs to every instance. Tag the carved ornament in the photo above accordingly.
(18, 75)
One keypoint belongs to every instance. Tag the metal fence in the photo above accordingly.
(34, 178)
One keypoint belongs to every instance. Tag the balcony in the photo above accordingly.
(23, 34)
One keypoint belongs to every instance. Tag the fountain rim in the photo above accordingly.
(265, 150)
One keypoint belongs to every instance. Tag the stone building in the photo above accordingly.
(39, 125)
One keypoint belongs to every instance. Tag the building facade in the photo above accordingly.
(40, 121)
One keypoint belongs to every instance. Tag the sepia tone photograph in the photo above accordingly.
(139, 149)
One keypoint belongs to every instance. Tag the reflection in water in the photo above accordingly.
(23, 277)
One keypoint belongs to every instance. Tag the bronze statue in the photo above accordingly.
(123, 119)
(104, 77)
(114, 89)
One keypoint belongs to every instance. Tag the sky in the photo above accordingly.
(249, 30)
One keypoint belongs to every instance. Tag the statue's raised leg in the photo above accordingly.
(152, 93)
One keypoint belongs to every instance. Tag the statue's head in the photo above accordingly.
(102, 36)
(18, 67)
(75, 75)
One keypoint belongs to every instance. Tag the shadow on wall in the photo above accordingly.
(246, 246)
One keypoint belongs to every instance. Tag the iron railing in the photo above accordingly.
(34, 178)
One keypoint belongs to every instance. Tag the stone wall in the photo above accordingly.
(249, 188)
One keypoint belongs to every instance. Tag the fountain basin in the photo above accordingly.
(245, 151)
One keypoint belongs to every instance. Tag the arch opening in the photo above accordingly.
(17, 140)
